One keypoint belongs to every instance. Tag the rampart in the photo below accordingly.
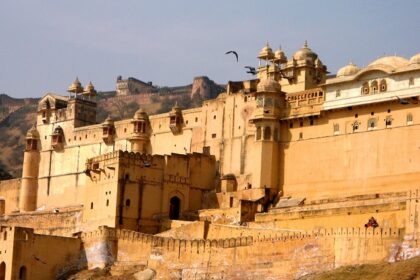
(286, 254)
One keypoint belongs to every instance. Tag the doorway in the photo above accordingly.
(174, 208)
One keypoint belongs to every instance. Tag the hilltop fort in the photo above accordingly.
(290, 173)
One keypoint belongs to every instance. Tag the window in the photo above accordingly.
(311, 122)
(411, 81)
(128, 203)
(355, 126)
(258, 133)
(337, 93)
(196, 119)
(213, 135)
(365, 88)
(214, 117)
(301, 123)
(388, 121)
(336, 128)
(300, 135)
(107, 202)
(267, 133)
(371, 123)
(382, 85)
(91, 205)
(231, 202)
(374, 86)
(22, 273)
(409, 118)
(276, 134)
(290, 125)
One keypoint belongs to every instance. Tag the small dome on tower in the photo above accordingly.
(75, 87)
(32, 133)
(268, 85)
(415, 59)
(266, 53)
(305, 53)
(140, 114)
(348, 70)
(279, 56)
(89, 89)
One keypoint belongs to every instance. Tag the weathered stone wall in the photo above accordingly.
(280, 256)
(63, 223)
(9, 190)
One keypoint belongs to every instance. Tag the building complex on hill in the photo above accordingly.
(285, 168)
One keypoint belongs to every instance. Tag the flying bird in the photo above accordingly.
(235, 53)
(251, 70)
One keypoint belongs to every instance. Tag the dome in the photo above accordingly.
(415, 59)
(75, 87)
(32, 133)
(348, 70)
(268, 85)
(266, 53)
(280, 56)
(392, 61)
(305, 53)
(140, 114)
(89, 89)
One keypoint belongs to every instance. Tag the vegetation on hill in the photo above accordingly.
(404, 270)
(18, 115)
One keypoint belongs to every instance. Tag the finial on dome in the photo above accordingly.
(305, 45)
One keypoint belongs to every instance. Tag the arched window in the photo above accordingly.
(267, 133)
(355, 126)
(107, 202)
(22, 273)
(5, 235)
(91, 205)
(128, 203)
(409, 118)
(365, 88)
(371, 123)
(388, 121)
(174, 208)
(374, 86)
(258, 133)
(382, 85)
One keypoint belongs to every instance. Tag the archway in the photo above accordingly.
(22, 273)
(2, 271)
(174, 208)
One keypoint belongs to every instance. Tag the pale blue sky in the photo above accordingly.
(44, 45)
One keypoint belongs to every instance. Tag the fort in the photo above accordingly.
(291, 173)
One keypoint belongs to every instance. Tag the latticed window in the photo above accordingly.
(388, 121)
(336, 128)
(355, 126)
(374, 86)
(372, 123)
(409, 118)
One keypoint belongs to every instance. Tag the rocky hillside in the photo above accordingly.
(18, 115)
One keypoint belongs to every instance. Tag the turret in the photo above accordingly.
(108, 130)
(270, 104)
(29, 187)
(176, 121)
(140, 138)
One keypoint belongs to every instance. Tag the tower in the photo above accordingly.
(140, 138)
(29, 187)
(269, 104)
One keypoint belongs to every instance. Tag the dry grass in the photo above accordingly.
(405, 270)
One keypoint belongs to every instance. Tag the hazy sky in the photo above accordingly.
(44, 45)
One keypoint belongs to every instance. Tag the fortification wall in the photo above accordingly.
(9, 190)
(64, 223)
(284, 256)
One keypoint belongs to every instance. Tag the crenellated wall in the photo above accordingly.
(283, 255)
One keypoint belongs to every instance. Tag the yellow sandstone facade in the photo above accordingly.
(293, 160)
